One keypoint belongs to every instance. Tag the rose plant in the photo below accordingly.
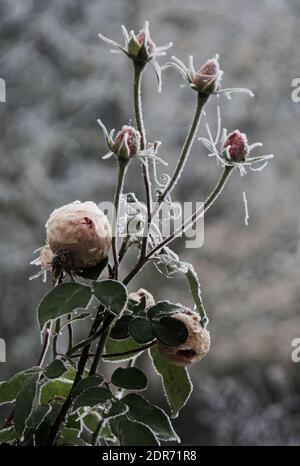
(64, 399)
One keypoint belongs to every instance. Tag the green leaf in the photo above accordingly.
(9, 389)
(55, 389)
(196, 292)
(121, 346)
(70, 437)
(41, 434)
(163, 308)
(92, 397)
(136, 306)
(24, 403)
(106, 432)
(120, 330)
(93, 273)
(37, 416)
(63, 299)
(176, 381)
(112, 294)
(130, 378)
(55, 369)
(135, 434)
(141, 410)
(91, 381)
(141, 330)
(7, 435)
(91, 421)
(170, 332)
(118, 408)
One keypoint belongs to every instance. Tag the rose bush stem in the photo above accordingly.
(108, 319)
(122, 168)
(186, 148)
(207, 204)
(138, 116)
(127, 353)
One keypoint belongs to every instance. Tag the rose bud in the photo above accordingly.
(82, 230)
(236, 146)
(142, 293)
(138, 49)
(208, 78)
(127, 142)
(196, 346)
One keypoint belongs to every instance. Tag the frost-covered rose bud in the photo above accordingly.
(196, 346)
(127, 142)
(236, 146)
(208, 78)
(138, 48)
(82, 230)
(142, 293)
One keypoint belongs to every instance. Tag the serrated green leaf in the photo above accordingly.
(130, 378)
(141, 410)
(55, 369)
(141, 330)
(41, 434)
(63, 299)
(112, 294)
(7, 435)
(162, 308)
(135, 434)
(121, 346)
(55, 389)
(170, 332)
(176, 381)
(70, 437)
(120, 331)
(91, 381)
(92, 397)
(24, 403)
(9, 389)
(37, 416)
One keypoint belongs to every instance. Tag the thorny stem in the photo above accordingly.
(138, 116)
(55, 337)
(70, 332)
(55, 428)
(199, 212)
(105, 330)
(122, 168)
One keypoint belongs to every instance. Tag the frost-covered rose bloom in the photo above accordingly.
(82, 230)
(236, 145)
(208, 78)
(142, 293)
(196, 346)
(127, 142)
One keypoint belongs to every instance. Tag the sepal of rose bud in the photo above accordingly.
(235, 147)
(82, 230)
(208, 78)
(195, 347)
(140, 46)
(127, 142)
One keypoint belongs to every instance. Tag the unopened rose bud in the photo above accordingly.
(127, 142)
(142, 293)
(196, 346)
(82, 230)
(138, 49)
(236, 146)
(208, 78)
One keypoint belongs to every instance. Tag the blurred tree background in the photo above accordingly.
(60, 78)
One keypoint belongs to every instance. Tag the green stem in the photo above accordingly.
(138, 116)
(70, 332)
(129, 352)
(105, 330)
(122, 168)
(55, 338)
